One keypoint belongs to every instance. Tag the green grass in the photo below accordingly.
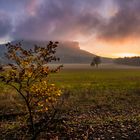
(92, 96)
(119, 89)
(98, 79)
(114, 87)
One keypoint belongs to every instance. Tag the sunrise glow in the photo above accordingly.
(126, 55)
(98, 26)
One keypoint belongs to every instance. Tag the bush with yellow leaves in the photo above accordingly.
(28, 75)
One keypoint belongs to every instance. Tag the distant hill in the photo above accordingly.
(68, 52)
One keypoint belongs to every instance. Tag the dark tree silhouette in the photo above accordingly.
(96, 61)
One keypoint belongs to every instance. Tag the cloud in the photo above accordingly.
(124, 24)
(13, 5)
(71, 19)
(60, 19)
(5, 25)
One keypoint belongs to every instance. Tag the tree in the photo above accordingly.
(28, 75)
(96, 61)
(92, 63)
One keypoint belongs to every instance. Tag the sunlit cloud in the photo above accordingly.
(102, 27)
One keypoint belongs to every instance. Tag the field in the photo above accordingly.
(99, 103)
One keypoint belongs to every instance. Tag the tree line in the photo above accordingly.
(134, 61)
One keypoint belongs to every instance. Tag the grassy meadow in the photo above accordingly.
(99, 103)
(115, 88)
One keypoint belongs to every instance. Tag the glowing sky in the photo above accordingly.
(105, 27)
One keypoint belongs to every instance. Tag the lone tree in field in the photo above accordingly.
(96, 61)
(28, 75)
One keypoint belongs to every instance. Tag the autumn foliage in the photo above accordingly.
(28, 75)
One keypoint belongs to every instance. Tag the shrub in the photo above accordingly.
(28, 75)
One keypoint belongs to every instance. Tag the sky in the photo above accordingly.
(109, 28)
